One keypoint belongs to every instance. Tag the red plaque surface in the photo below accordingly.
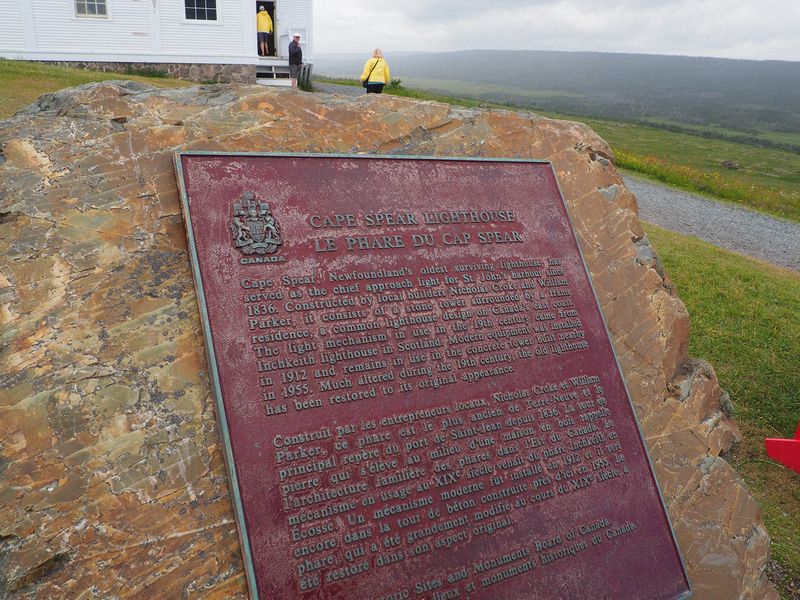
(415, 384)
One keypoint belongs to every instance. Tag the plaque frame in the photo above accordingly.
(214, 380)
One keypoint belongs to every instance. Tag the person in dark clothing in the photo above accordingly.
(295, 58)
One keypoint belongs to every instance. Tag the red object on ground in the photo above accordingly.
(786, 452)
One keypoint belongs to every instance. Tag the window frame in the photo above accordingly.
(79, 15)
(195, 21)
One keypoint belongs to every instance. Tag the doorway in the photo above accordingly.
(269, 5)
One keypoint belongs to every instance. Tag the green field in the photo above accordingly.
(744, 95)
(765, 179)
(22, 82)
(526, 97)
(752, 137)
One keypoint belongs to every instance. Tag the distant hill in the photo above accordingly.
(742, 95)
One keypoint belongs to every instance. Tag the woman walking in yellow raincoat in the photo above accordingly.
(376, 73)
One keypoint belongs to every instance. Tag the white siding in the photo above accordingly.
(294, 17)
(222, 37)
(146, 30)
(12, 34)
(127, 28)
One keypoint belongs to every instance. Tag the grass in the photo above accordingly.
(22, 82)
(746, 322)
(755, 137)
(767, 179)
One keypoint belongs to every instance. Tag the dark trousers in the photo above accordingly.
(374, 88)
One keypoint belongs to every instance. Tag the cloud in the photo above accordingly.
(759, 29)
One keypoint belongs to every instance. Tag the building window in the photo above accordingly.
(91, 8)
(201, 10)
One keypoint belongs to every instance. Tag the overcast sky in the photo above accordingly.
(755, 29)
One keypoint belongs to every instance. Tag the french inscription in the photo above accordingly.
(486, 462)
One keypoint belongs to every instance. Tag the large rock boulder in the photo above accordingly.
(112, 481)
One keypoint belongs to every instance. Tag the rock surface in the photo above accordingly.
(112, 482)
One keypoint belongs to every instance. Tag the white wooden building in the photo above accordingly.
(195, 39)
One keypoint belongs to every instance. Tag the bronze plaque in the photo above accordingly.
(416, 389)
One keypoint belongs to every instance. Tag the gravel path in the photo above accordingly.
(724, 225)
(744, 231)
(342, 90)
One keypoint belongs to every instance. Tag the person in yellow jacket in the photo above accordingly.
(376, 73)
(264, 28)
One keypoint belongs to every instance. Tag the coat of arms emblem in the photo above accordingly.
(254, 229)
